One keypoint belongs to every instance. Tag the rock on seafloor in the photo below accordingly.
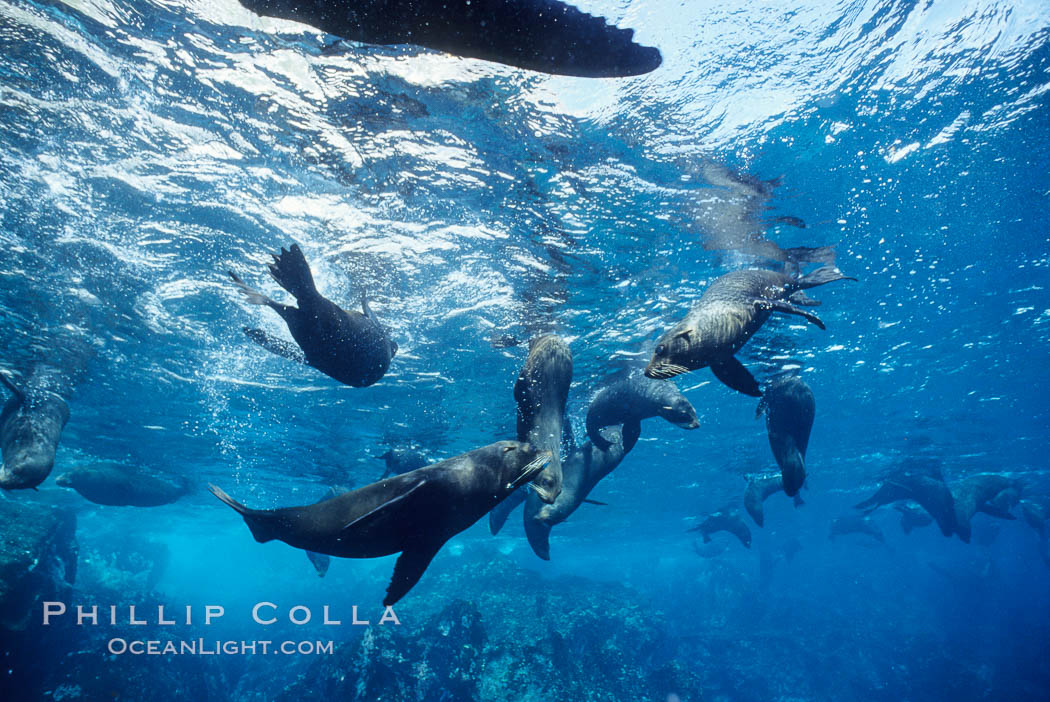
(38, 559)
(505, 634)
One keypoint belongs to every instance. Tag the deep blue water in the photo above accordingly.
(146, 148)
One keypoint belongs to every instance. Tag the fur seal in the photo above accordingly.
(729, 312)
(541, 35)
(414, 514)
(400, 461)
(582, 471)
(789, 408)
(633, 399)
(724, 520)
(31, 423)
(855, 524)
(1036, 512)
(759, 487)
(912, 516)
(121, 486)
(541, 391)
(981, 493)
(322, 561)
(921, 481)
(351, 347)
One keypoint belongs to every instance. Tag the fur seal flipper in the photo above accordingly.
(726, 316)
(542, 35)
(413, 514)
(349, 346)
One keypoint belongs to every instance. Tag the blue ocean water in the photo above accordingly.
(146, 148)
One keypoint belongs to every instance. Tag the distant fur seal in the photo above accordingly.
(583, 470)
(855, 524)
(399, 461)
(912, 516)
(922, 481)
(981, 493)
(122, 486)
(725, 520)
(633, 399)
(31, 423)
(414, 514)
(759, 487)
(351, 347)
(789, 408)
(729, 312)
(541, 391)
(1036, 512)
(540, 35)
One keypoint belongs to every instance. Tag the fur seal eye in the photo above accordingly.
(507, 448)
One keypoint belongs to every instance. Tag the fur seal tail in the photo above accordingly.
(292, 272)
(254, 519)
(823, 275)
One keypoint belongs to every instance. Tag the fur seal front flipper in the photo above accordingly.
(733, 374)
(541, 35)
(409, 569)
(787, 308)
(499, 514)
(274, 345)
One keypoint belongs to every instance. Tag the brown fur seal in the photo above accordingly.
(121, 486)
(919, 480)
(414, 514)
(855, 524)
(31, 423)
(912, 516)
(789, 407)
(729, 312)
(981, 493)
(541, 391)
(725, 520)
(351, 347)
(635, 398)
(759, 487)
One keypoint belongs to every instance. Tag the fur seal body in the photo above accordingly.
(31, 423)
(541, 35)
(414, 514)
(789, 408)
(912, 516)
(541, 391)
(351, 347)
(582, 471)
(922, 482)
(633, 399)
(724, 520)
(759, 487)
(981, 493)
(856, 524)
(730, 311)
(121, 486)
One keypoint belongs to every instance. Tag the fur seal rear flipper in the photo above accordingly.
(541, 35)
(276, 346)
(733, 374)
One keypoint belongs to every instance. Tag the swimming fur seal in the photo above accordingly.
(350, 346)
(789, 408)
(399, 461)
(633, 399)
(31, 423)
(322, 561)
(855, 524)
(979, 493)
(541, 391)
(1036, 512)
(540, 35)
(582, 471)
(414, 514)
(729, 312)
(921, 481)
(759, 487)
(912, 516)
(725, 520)
(122, 486)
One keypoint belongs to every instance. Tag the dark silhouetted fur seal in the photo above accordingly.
(789, 407)
(725, 520)
(414, 514)
(981, 493)
(399, 461)
(919, 480)
(912, 516)
(351, 347)
(759, 487)
(855, 524)
(634, 398)
(541, 35)
(31, 423)
(729, 312)
(123, 486)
